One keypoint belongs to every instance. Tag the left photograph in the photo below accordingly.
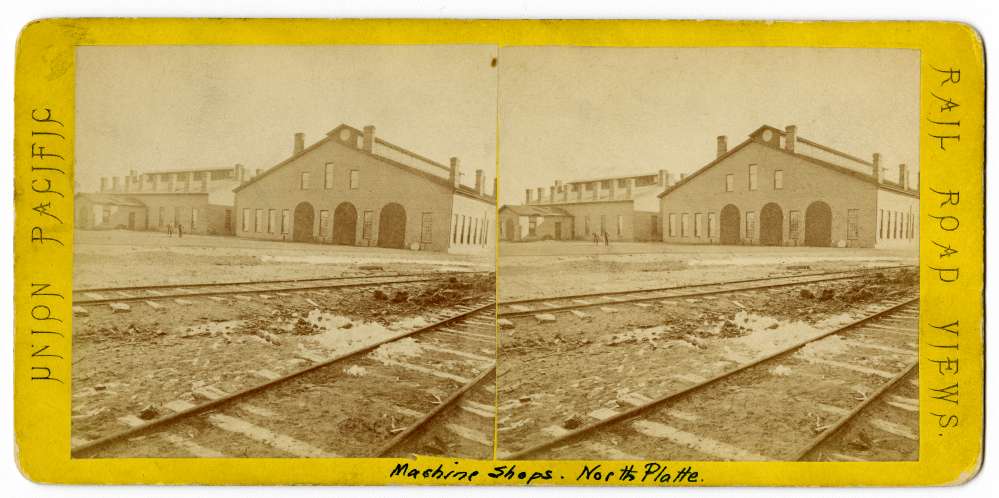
(284, 251)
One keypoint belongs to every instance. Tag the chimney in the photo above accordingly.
(596, 190)
(551, 195)
(527, 196)
(369, 138)
(579, 191)
(541, 194)
(683, 176)
(171, 182)
(187, 181)
(876, 159)
(155, 182)
(104, 184)
(142, 182)
(299, 143)
(613, 189)
(114, 183)
(629, 188)
(663, 178)
(722, 145)
(565, 191)
(480, 180)
(239, 172)
(790, 137)
(455, 175)
(903, 176)
(204, 182)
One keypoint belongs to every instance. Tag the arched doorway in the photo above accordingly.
(771, 225)
(392, 226)
(729, 225)
(345, 224)
(818, 225)
(511, 229)
(304, 218)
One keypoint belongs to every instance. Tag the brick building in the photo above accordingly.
(353, 188)
(197, 200)
(777, 188)
(625, 207)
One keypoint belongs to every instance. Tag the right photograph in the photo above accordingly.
(708, 254)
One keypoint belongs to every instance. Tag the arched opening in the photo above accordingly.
(392, 226)
(771, 225)
(304, 218)
(729, 225)
(511, 229)
(345, 224)
(818, 225)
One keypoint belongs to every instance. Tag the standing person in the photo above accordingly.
(606, 239)
(180, 231)
(596, 239)
(169, 229)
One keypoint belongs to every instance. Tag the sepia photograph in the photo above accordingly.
(708, 254)
(284, 251)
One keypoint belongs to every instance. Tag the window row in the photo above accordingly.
(893, 225)
(353, 178)
(705, 224)
(470, 230)
(178, 217)
(753, 180)
(618, 225)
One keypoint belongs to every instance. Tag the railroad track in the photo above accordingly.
(373, 401)
(607, 300)
(798, 402)
(265, 289)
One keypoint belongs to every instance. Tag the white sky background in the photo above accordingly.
(577, 112)
(172, 107)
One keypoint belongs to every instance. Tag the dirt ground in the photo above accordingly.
(552, 268)
(553, 375)
(119, 258)
(136, 361)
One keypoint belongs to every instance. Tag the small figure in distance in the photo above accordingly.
(169, 229)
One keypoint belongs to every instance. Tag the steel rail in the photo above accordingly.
(444, 405)
(833, 429)
(262, 282)
(92, 446)
(638, 410)
(567, 307)
(860, 272)
(109, 300)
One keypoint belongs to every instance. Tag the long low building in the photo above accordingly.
(625, 208)
(353, 188)
(777, 188)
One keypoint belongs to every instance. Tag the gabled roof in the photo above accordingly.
(535, 210)
(755, 137)
(331, 136)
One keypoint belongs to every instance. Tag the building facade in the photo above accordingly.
(197, 201)
(777, 188)
(624, 208)
(353, 188)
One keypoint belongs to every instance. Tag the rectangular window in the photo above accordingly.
(881, 224)
(227, 224)
(620, 225)
(655, 225)
(285, 221)
(258, 221)
(672, 224)
(177, 216)
(366, 225)
(305, 180)
(328, 176)
(105, 214)
(711, 225)
(852, 220)
(485, 233)
(454, 230)
(246, 218)
(778, 179)
(685, 224)
(532, 225)
(162, 217)
(194, 219)
(730, 182)
(603, 224)
(272, 221)
(586, 225)
(698, 225)
(750, 225)
(752, 176)
(794, 225)
(427, 228)
(355, 179)
(474, 231)
(324, 223)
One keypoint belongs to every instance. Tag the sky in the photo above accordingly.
(171, 107)
(586, 112)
